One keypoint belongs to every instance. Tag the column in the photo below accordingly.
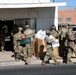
(56, 17)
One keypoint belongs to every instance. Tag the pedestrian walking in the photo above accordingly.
(49, 53)
(71, 45)
(19, 48)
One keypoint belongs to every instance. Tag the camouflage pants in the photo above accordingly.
(28, 48)
(49, 54)
(63, 48)
(32, 49)
(20, 50)
(70, 49)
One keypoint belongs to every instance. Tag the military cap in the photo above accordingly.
(27, 25)
(20, 28)
(53, 26)
(47, 31)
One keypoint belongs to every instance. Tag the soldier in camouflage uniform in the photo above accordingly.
(2, 41)
(15, 30)
(54, 32)
(49, 52)
(19, 48)
(71, 45)
(63, 42)
(29, 34)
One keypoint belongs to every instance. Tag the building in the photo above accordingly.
(67, 16)
(39, 14)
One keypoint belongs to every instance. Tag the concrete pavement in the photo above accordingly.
(7, 59)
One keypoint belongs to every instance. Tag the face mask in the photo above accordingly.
(54, 29)
(48, 34)
(22, 31)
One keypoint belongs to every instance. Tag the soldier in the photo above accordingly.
(63, 42)
(54, 32)
(2, 41)
(18, 47)
(29, 34)
(49, 52)
(71, 45)
(15, 30)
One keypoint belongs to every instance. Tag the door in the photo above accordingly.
(7, 26)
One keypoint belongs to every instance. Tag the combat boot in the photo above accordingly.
(56, 62)
(69, 62)
(43, 63)
(2, 49)
(27, 62)
(31, 56)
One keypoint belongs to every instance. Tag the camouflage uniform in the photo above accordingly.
(28, 48)
(54, 32)
(56, 35)
(71, 44)
(15, 30)
(32, 38)
(63, 41)
(19, 48)
(29, 34)
(49, 52)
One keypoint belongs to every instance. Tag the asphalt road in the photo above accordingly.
(39, 70)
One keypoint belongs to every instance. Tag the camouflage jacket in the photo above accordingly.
(54, 33)
(71, 38)
(63, 33)
(17, 39)
(48, 42)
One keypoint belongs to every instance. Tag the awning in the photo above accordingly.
(31, 5)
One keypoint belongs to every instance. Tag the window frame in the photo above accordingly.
(68, 19)
(60, 20)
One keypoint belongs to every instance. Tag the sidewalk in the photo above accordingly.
(7, 59)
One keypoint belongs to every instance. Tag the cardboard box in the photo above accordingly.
(35, 46)
(56, 51)
(39, 47)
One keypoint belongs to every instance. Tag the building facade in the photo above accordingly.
(67, 16)
(39, 14)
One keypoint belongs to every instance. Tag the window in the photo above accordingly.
(60, 20)
(68, 19)
(26, 21)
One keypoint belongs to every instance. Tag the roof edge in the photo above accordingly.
(31, 5)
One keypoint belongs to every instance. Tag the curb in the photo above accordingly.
(10, 63)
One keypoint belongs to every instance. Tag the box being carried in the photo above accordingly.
(56, 43)
(56, 48)
(25, 41)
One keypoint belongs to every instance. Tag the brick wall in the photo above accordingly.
(68, 13)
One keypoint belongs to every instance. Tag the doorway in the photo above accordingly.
(8, 23)
(7, 26)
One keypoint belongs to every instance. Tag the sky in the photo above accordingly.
(70, 3)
